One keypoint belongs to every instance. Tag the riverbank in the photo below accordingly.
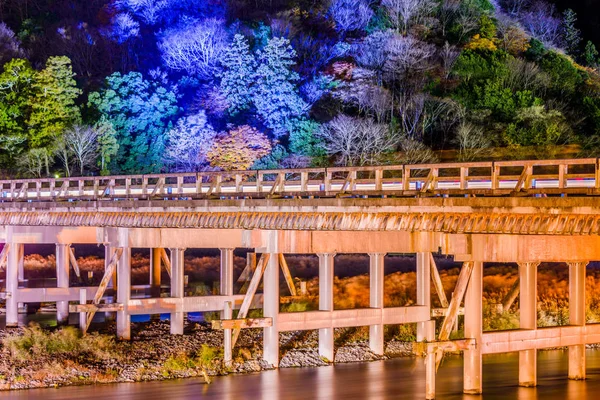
(34, 358)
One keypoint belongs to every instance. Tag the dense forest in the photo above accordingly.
(140, 86)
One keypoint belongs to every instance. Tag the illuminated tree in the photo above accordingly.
(189, 142)
(350, 15)
(141, 112)
(9, 44)
(239, 149)
(276, 97)
(194, 47)
(237, 77)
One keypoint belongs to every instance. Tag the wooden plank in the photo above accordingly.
(423, 348)
(286, 273)
(108, 272)
(74, 262)
(245, 307)
(511, 296)
(442, 312)
(244, 323)
(86, 308)
(437, 282)
(166, 262)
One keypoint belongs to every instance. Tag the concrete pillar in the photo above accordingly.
(472, 383)
(155, 271)
(12, 286)
(271, 304)
(423, 291)
(528, 320)
(430, 361)
(376, 276)
(177, 289)
(326, 349)
(577, 317)
(124, 294)
(226, 289)
(62, 281)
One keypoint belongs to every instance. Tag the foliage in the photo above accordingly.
(237, 77)
(350, 15)
(479, 43)
(189, 142)
(565, 77)
(537, 126)
(304, 139)
(572, 35)
(36, 342)
(238, 149)
(275, 97)
(10, 46)
(141, 112)
(590, 55)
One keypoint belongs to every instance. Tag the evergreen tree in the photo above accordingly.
(107, 143)
(53, 107)
(276, 96)
(590, 54)
(141, 112)
(572, 35)
(239, 67)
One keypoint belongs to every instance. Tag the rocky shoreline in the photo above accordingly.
(155, 354)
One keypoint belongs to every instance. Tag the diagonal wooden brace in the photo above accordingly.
(437, 282)
(286, 273)
(165, 259)
(108, 273)
(245, 307)
(73, 261)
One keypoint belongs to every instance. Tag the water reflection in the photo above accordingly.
(392, 379)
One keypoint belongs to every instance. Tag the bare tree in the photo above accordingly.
(350, 15)
(414, 152)
(514, 7)
(403, 12)
(467, 23)
(375, 101)
(472, 141)
(410, 110)
(449, 54)
(356, 141)
(10, 47)
(81, 143)
(524, 75)
(407, 55)
(33, 162)
(194, 48)
(541, 23)
(447, 14)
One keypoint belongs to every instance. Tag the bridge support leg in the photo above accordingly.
(62, 281)
(177, 289)
(108, 252)
(155, 279)
(124, 294)
(577, 317)
(473, 329)
(528, 320)
(423, 291)
(226, 287)
(376, 276)
(271, 309)
(12, 286)
(430, 362)
(326, 274)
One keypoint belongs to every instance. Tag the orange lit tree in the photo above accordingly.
(239, 148)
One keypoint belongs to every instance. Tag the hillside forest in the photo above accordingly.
(101, 87)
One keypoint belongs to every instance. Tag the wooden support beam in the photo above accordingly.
(166, 262)
(423, 348)
(442, 312)
(287, 274)
(437, 282)
(108, 273)
(246, 274)
(457, 297)
(86, 308)
(511, 296)
(245, 307)
(4, 254)
(73, 261)
(220, 324)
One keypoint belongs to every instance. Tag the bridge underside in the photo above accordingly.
(473, 230)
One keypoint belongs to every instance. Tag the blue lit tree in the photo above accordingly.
(141, 112)
(239, 67)
(276, 97)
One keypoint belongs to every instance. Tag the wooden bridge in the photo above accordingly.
(523, 211)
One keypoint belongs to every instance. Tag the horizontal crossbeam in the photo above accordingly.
(245, 323)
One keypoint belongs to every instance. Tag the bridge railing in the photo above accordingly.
(492, 178)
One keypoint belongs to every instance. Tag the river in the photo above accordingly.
(402, 378)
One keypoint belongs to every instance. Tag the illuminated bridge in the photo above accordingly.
(519, 211)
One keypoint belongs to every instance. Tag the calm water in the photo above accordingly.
(393, 379)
